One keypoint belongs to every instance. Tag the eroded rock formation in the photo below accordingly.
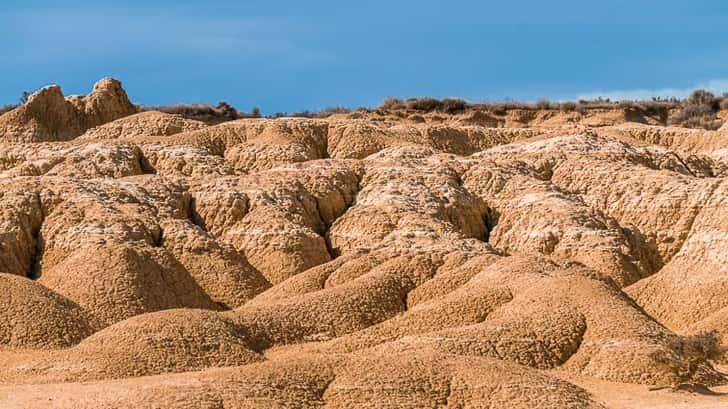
(350, 262)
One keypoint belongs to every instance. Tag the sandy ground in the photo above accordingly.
(630, 396)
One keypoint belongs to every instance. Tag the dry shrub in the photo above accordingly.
(453, 105)
(568, 106)
(221, 112)
(425, 104)
(543, 104)
(391, 103)
(655, 107)
(324, 113)
(699, 111)
(696, 351)
(724, 102)
(703, 345)
(201, 112)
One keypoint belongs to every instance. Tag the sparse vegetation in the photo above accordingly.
(324, 113)
(425, 104)
(453, 105)
(221, 112)
(705, 344)
(696, 350)
(24, 96)
(543, 104)
(7, 108)
(391, 103)
(568, 106)
(699, 111)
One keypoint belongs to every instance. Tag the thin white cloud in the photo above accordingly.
(717, 86)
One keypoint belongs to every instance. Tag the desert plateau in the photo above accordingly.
(449, 256)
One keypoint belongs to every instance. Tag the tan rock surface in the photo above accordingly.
(48, 116)
(362, 260)
(149, 123)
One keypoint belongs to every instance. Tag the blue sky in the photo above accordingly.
(293, 55)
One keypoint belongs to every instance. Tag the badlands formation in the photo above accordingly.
(370, 259)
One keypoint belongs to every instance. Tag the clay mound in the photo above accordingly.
(712, 143)
(48, 116)
(149, 123)
(428, 201)
(531, 214)
(359, 139)
(135, 280)
(319, 381)
(225, 275)
(162, 342)
(279, 218)
(270, 143)
(443, 379)
(536, 313)
(260, 144)
(166, 159)
(693, 285)
(482, 119)
(93, 160)
(35, 317)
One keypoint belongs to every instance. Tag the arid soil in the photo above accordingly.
(559, 260)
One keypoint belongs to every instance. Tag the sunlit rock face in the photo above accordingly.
(395, 261)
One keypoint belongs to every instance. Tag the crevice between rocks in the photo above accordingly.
(158, 237)
(326, 234)
(192, 215)
(491, 218)
(144, 165)
(33, 270)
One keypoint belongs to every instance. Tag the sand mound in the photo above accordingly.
(318, 381)
(35, 317)
(161, 342)
(135, 280)
(539, 314)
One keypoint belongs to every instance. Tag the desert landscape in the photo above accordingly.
(420, 254)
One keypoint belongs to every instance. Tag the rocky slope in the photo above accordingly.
(355, 261)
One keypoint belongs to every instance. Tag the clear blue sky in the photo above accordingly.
(292, 55)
